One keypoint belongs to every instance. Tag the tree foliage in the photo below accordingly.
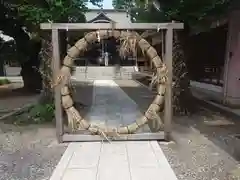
(33, 12)
(194, 13)
(21, 20)
(55, 11)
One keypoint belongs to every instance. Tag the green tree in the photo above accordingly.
(119, 4)
(21, 20)
(195, 15)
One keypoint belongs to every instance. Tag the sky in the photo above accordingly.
(107, 4)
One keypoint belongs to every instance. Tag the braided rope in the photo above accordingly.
(129, 43)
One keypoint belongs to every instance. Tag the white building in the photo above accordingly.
(107, 15)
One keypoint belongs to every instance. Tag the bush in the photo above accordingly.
(4, 81)
(42, 113)
(37, 114)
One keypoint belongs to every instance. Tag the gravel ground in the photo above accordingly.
(28, 153)
(194, 156)
(204, 146)
(32, 152)
(12, 98)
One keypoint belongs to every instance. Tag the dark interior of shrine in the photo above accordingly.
(206, 55)
(97, 52)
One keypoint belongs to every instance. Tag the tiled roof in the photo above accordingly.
(100, 16)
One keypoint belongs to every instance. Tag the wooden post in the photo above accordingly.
(168, 96)
(57, 90)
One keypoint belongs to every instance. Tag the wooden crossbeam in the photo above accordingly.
(96, 26)
(122, 137)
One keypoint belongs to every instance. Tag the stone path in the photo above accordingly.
(116, 160)
(112, 107)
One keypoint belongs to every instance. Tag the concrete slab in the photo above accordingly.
(116, 160)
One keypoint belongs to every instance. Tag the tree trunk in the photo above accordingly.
(30, 69)
(182, 96)
(31, 78)
(2, 68)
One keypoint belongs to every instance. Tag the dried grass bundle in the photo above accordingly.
(130, 41)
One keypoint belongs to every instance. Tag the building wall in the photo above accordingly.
(117, 16)
(232, 62)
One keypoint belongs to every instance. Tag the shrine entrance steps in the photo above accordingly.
(105, 72)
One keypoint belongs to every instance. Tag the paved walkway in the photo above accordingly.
(106, 112)
(116, 160)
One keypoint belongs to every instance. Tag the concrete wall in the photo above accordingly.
(232, 62)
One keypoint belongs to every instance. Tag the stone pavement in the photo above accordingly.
(112, 107)
(117, 160)
(139, 160)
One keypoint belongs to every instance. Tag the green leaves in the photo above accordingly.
(119, 4)
(193, 12)
(41, 113)
(34, 12)
(4, 81)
